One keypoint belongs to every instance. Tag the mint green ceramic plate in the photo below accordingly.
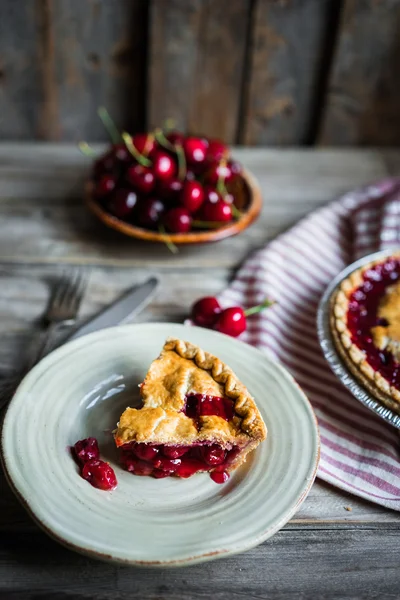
(81, 389)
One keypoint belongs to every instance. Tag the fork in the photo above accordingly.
(61, 312)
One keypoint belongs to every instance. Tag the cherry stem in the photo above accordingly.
(142, 160)
(86, 149)
(236, 212)
(221, 189)
(162, 140)
(167, 240)
(208, 224)
(260, 307)
(169, 124)
(109, 124)
(182, 169)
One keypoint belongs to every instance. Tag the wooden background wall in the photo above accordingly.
(254, 72)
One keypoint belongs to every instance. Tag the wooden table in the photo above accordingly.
(336, 545)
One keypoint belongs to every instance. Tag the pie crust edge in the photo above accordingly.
(353, 357)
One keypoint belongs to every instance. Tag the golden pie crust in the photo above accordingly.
(181, 369)
(384, 337)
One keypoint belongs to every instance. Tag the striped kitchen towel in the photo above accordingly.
(360, 453)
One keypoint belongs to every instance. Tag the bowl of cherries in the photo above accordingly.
(164, 186)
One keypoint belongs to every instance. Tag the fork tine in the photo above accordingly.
(59, 292)
(74, 293)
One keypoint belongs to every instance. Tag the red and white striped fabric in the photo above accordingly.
(360, 453)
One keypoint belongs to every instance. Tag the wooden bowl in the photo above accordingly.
(250, 206)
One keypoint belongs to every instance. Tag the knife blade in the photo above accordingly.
(121, 310)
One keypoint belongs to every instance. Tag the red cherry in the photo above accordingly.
(142, 178)
(167, 464)
(216, 151)
(164, 166)
(150, 211)
(158, 474)
(105, 164)
(231, 321)
(122, 202)
(175, 451)
(195, 150)
(178, 220)
(99, 474)
(219, 476)
(235, 167)
(174, 137)
(170, 188)
(205, 311)
(189, 467)
(192, 195)
(144, 143)
(213, 455)
(105, 185)
(122, 153)
(145, 452)
(87, 449)
(190, 175)
(216, 211)
(218, 171)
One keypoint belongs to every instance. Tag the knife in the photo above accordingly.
(121, 310)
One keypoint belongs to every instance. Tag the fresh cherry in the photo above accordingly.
(232, 321)
(218, 211)
(205, 311)
(170, 188)
(195, 150)
(144, 143)
(105, 185)
(218, 172)
(99, 474)
(104, 165)
(178, 220)
(87, 449)
(141, 178)
(122, 202)
(164, 166)
(150, 211)
(175, 138)
(192, 195)
(190, 175)
(122, 153)
(216, 151)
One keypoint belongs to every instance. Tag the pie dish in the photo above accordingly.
(365, 326)
(196, 416)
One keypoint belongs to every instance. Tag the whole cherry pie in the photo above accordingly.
(365, 323)
(196, 416)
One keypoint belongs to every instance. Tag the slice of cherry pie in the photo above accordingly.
(196, 416)
(365, 323)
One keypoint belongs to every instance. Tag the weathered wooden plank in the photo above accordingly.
(364, 90)
(286, 566)
(43, 219)
(197, 53)
(19, 91)
(93, 54)
(288, 43)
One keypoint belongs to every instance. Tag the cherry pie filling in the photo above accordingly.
(362, 316)
(162, 460)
